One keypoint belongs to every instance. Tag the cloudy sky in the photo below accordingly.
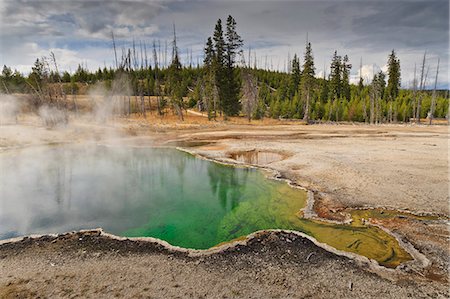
(79, 31)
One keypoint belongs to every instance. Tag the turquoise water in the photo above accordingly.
(161, 193)
(127, 191)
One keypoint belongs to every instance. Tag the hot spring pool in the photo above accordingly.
(161, 193)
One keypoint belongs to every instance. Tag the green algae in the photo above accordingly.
(279, 211)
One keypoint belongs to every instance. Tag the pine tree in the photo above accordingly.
(233, 42)
(233, 45)
(378, 87)
(6, 72)
(209, 53)
(323, 95)
(218, 63)
(393, 85)
(211, 93)
(295, 76)
(393, 81)
(335, 77)
(6, 78)
(345, 69)
(307, 80)
(38, 72)
(335, 82)
(175, 86)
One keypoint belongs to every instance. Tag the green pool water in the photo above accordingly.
(162, 193)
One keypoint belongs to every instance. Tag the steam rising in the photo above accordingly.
(53, 116)
(50, 117)
(9, 109)
(107, 103)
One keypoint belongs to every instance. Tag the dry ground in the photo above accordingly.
(399, 166)
(390, 166)
(274, 265)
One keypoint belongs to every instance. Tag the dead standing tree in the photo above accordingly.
(136, 70)
(250, 93)
(421, 88)
(433, 98)
(114, 47)
(372, 104)
(360, 91)
(147, 78)
(119, 75)
(61, 88)
(128, 70)
(157, 85)
(121, 83)
(414, 94)
(141, 82)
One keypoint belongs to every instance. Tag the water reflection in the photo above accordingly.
(57, 189)
(227, 186)
(256, 157)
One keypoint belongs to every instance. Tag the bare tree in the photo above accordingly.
(250, 93)
(61, 87)
(360, 89)
(128, 68)
(6, 87)
(114, 46)
(165, 53)
(433, 98)
(147, 77)
(414, 94)
(372, 103)
(157, 87)
(422, 87)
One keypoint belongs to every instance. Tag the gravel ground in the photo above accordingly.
(271, 265)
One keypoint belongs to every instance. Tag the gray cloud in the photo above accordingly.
(403, 24)
(73, 17)
(368, 29)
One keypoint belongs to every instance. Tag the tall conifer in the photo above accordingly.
(307, 80)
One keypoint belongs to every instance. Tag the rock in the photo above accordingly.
(309, 256)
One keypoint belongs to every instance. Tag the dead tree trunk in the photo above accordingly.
(414, 94)
(157, 87)
(433, 98)
(337, 110)
(63, 94)
(419, 101)
(372, 105)
(250, 92)
(114, 46)
(306, 115)
(6, 88)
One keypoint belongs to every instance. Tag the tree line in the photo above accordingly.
(226, 85)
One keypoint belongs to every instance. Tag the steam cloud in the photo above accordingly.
(9, 109)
